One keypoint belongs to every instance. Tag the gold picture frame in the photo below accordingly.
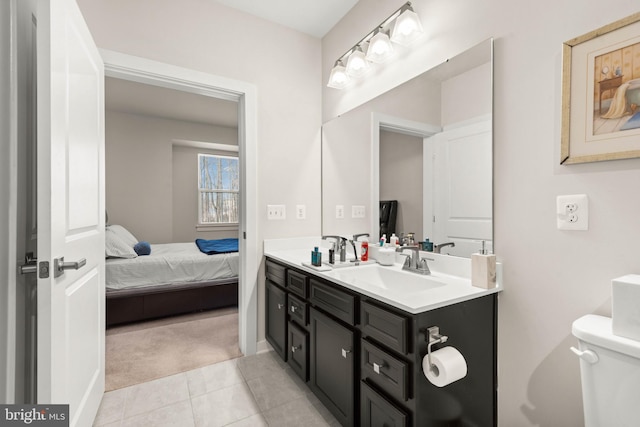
(601, 71)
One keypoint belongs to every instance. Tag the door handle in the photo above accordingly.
(59, 266)
(345, 352)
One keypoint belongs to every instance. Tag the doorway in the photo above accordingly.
(126, 67)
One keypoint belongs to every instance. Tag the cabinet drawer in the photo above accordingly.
(385, 327)
(276, 273)
(334, 301)
(299, 351)
(298, 283)
(377, 411)
(298, 310)
(384, 370)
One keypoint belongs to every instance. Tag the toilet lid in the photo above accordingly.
(596, 330)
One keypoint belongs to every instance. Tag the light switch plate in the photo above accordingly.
(357, 211)
(572, 212)
(276, 212)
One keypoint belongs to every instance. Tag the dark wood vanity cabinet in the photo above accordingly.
(363, 358)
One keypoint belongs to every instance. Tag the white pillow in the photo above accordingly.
(124, 234)
(115, 247)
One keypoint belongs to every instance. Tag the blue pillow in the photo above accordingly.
(142, 248)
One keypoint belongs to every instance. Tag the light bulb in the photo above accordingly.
(338, 79)
(357, 64)
(380, 48)
(407, 28)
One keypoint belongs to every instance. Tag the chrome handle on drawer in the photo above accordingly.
(345, 352)
(293, 308)
(376, 367)
(280, 306)
(294, 348)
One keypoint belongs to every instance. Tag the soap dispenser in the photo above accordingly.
(483, 269)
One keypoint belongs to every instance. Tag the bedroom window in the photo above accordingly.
(218, 188)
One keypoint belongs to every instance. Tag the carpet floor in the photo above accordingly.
(146, 351)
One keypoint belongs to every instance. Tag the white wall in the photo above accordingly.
(140, 177)
(551, 277)
(209, 37)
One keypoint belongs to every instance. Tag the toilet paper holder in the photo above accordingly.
(434, 337)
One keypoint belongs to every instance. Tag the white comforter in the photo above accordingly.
(169, 263)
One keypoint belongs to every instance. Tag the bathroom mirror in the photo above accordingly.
(426, 144)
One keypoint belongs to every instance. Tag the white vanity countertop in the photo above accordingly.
(454, 272)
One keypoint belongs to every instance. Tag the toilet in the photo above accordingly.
(610, 372)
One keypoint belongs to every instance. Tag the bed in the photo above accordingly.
(146, 281)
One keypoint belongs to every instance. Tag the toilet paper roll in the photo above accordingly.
(449, 366)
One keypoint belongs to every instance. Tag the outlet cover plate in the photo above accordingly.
(573, 212)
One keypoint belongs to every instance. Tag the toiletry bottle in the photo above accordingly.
(483, 269)
(315, 257)
(394, 240)
(332, 256)
(383, 240)
(364, 251)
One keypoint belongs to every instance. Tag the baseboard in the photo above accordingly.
(263, 347)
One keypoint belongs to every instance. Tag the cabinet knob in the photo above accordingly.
(294, 348)
(345, 352)
(293, 308)
(280, 306)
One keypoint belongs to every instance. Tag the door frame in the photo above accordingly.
(141, 70)
(380, 121)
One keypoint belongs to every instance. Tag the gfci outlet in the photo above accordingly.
(573, 212)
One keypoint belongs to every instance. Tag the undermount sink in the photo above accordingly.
(387, 278)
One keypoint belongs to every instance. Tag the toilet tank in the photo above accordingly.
(610, 372)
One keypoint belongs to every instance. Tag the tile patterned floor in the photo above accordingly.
(251, 391)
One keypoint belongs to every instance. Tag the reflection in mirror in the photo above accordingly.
(426, 144)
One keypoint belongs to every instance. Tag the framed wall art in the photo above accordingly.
(601, 94)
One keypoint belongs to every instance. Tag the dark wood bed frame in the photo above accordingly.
(131, 305)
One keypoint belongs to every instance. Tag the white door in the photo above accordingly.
(462, 188)
(71, 206)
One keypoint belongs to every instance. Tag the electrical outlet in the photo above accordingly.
(301, 211)
(276, 212)
(339, 211)
(572, 212)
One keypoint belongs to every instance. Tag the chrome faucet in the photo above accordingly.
(438, 248)
(340, 245)
(413, 262)
(357, 236)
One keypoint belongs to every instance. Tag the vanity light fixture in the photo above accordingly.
(403, 25)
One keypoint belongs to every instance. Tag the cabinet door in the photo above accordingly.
(332, 365)
(298, 351)
(376, 411)
(276, 318)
